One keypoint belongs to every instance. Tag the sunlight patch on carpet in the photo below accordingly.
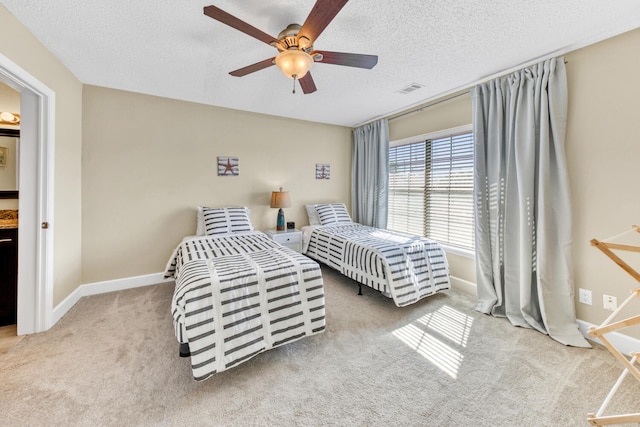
(452, 324)
(439, 337)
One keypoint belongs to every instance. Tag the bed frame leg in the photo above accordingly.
(359, 289)
(184, 350)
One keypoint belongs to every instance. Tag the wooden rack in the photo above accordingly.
(610, 325)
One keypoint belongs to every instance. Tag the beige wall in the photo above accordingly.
(149, 161)
(8, 173)
(29, 54)
(452, 112)
(602, 150)
(444, 115)
(9, 101)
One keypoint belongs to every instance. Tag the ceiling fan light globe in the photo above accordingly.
(294, 62)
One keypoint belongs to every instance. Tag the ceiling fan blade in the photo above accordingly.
(230, 20)
(348, 59)
(307, 84)
(253, 68)
(320, 16)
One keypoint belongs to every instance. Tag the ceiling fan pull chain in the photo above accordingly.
(295, 77)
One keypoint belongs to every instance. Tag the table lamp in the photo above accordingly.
(280, 199)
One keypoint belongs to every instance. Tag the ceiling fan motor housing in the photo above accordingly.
(289, 39)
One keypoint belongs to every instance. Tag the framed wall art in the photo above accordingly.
(323, 171)
(228, 166)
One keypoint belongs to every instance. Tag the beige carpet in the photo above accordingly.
(113, 360)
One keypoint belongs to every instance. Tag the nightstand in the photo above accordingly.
(289, 238)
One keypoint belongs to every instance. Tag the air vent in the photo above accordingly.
(412, 87)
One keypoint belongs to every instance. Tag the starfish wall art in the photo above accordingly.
(228, 166)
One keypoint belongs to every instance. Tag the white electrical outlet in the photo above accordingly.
(609, 302)
(585, 296)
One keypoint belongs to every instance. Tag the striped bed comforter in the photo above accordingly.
(405, 268)
(239, 295)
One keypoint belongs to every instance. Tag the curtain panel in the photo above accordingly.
(523, 213)
(370, 174)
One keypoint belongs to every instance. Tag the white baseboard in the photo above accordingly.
(104, 287)
(463, 285)
(66, 305)
(624, 343)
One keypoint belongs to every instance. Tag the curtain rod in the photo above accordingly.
(424, 107)
(467, 88)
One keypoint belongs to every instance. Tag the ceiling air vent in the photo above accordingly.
(410, 88)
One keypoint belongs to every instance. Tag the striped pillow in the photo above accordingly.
(226, 220)
(333, 213)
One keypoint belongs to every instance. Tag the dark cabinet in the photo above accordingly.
(8, 276)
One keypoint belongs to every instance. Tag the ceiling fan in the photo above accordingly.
(295, 44)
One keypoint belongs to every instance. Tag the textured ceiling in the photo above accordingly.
(170, 48)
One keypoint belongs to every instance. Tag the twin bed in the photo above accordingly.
(239, 293)
(402, 267)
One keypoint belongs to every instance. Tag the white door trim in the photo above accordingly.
(35, 244)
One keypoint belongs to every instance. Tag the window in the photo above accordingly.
(431, 188)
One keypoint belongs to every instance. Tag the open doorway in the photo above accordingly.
(9, 152)
(35, 233)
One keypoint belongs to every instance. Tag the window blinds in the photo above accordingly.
(406, 188)
(449, 190)
(431, 189)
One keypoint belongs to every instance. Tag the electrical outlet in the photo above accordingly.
(609, 302)
(585, 296)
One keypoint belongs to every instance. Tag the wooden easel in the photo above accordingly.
(609, 325)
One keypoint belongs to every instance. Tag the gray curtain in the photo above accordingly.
(370, 174)
(523, 213)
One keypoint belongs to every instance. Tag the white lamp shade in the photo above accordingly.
(294, 62)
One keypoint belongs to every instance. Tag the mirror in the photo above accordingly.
(9, 146)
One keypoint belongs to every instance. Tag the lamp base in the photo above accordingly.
(280, 222)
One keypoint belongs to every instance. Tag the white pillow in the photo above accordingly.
(333, 213)
(314, 219)
(200, 222)
(225, 220)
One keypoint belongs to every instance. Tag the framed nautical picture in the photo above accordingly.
(228, 166)
(323, 171)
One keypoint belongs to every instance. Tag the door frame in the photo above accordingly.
(36, 169)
